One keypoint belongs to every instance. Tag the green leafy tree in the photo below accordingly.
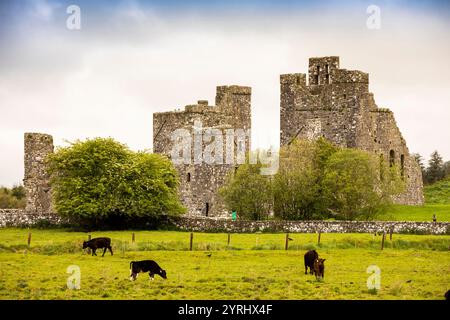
(419, 160)
(13, 198)
(435, 170)
(248, 192)
(358, 185)
(101, 179)
(297, 186)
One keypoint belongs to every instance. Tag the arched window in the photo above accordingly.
(391, 158)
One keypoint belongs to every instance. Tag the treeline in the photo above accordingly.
(315, 180)
(436, 170)
(12, 198)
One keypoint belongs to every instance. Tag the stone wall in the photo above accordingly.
(337, 105)
(36, 179)
(200, 181)
(21, 218)
(222, 225)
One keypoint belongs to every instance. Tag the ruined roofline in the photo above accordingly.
(202, 106)
(37, 134)
(234, 89)
(324, 58)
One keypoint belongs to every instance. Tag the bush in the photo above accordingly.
(100, 182)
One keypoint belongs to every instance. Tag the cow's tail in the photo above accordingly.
(131, 263)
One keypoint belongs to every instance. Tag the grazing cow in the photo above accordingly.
(149, 266)
(98, 243)
(319, 268)
(310, 257)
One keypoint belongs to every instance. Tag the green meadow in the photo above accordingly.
(252, 266)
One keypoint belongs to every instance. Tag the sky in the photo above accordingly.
(132, 58)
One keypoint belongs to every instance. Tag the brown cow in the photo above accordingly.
(319, 268)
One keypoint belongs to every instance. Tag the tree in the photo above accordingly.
(102, 179)
(298, 183)
(359, 185)
(447, 169)
(419, 160)
(248, 192)
(435, 170)
(13, 198)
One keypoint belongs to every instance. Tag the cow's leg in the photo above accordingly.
(104, 250)
(152, 276)
(306, 269)
(110, 249)
(93, 252)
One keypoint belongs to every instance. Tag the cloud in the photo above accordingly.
(131, 59)
(43, 9)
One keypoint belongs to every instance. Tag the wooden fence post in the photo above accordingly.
(390, 233)
(286, 245)
(382, 240)
(318, 239)
(191, 240)
(29, 239)
(133, 237)
(228, 239)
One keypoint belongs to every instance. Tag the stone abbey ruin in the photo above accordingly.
(334, 103)
(337, 105)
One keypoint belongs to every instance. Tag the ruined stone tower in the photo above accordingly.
(36, 178)
(336, 104)
(200, 181)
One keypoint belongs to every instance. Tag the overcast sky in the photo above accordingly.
(131, 58)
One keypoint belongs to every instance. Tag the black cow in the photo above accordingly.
(149, 266)
(319, 268)
(98, 243)
(447, 295)
(310, 257)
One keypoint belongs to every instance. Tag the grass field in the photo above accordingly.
(254, 266)
(438, 192)
(437, 201)
(418, 213)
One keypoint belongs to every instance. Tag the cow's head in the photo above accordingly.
(85, 244)
(163, 274)
(319, 266)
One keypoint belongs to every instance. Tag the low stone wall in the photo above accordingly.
(216, 225)
(20, 218)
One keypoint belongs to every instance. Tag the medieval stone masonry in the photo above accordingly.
(201, 181)
(336, 104)
(36, 180)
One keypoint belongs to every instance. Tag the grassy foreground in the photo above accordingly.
(254, 266)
